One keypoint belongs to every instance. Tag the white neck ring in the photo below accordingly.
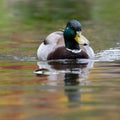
(74, 51)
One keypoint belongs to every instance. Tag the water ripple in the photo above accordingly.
(17, 58)
(108, 55)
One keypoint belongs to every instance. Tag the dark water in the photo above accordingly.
(64, 89)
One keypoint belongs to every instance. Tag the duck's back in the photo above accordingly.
(52, 42)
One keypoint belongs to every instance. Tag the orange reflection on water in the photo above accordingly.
(27, 96)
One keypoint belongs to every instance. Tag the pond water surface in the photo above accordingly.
(68, 92)
(63, 89)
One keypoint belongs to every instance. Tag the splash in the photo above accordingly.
(112, 54)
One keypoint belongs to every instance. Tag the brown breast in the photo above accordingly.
(63, 53)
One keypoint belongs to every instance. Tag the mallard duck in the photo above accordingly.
(66, 44)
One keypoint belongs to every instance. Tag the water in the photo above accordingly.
(87, 90)
(62, 89)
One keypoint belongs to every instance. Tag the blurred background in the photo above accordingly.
(32, 20)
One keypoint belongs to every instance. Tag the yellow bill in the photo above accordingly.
(79, 39)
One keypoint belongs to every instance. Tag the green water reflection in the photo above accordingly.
(89, 94)
(24, 24)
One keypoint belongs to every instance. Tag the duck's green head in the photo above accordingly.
(72, 35)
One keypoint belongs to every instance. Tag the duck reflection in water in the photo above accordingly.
(72, 72)
(72, 89)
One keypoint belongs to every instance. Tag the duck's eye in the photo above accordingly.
(71, 27)
(75, 29)
(78, 29)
